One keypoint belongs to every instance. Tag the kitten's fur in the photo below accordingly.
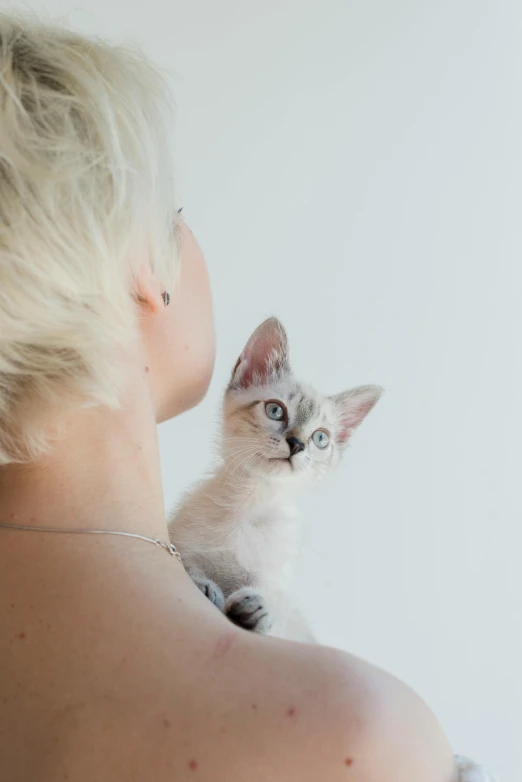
(238, 532)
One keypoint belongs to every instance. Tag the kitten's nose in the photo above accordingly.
(295, 445)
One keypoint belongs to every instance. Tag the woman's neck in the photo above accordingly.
(103, 473)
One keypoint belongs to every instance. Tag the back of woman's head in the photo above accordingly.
(85, 200)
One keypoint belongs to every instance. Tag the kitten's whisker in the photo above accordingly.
(320, 470)
(237, 452)
(245, 465)
(230, 464)
(244, 439)
(240, 462)
(249, 461)
(241, 449)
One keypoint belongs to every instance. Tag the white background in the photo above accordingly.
(356, 169)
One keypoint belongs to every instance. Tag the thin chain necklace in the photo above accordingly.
(170, 547)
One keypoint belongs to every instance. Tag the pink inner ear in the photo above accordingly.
(264, 354)
(354, 409)
(259, 361)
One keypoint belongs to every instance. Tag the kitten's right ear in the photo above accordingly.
(264, 355)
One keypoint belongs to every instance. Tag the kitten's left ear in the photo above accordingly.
(353, 407)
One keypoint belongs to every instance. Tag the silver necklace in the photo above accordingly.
(170, 547)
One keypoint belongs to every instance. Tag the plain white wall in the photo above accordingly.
(356, 168)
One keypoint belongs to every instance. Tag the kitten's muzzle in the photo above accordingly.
(295, 445)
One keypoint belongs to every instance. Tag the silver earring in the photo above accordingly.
(166, 298)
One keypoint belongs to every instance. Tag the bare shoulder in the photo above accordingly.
(273, 710)
(147, 691)
(321, 714)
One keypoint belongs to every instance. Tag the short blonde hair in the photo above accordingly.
(85, 193)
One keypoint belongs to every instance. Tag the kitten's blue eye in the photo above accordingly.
(275, 411)
(320, 438)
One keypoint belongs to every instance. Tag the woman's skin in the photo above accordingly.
(113, 666)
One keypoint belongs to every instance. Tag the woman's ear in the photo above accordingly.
(150, 290)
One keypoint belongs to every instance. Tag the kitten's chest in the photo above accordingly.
(266, 540)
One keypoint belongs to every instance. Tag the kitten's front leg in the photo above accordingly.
(211, 591)
(247, 608)
(209, 588)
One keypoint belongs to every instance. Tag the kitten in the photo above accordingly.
(238, 532)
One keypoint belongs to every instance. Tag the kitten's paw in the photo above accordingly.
(211, 591)
(469, 771)
(248, 609)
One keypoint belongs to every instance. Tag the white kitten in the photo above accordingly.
(238, 532)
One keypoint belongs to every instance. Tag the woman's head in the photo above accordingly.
(87, 226)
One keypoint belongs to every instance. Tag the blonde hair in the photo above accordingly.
(85, 195)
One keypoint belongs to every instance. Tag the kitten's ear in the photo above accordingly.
(353, 406)
(265, 354)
